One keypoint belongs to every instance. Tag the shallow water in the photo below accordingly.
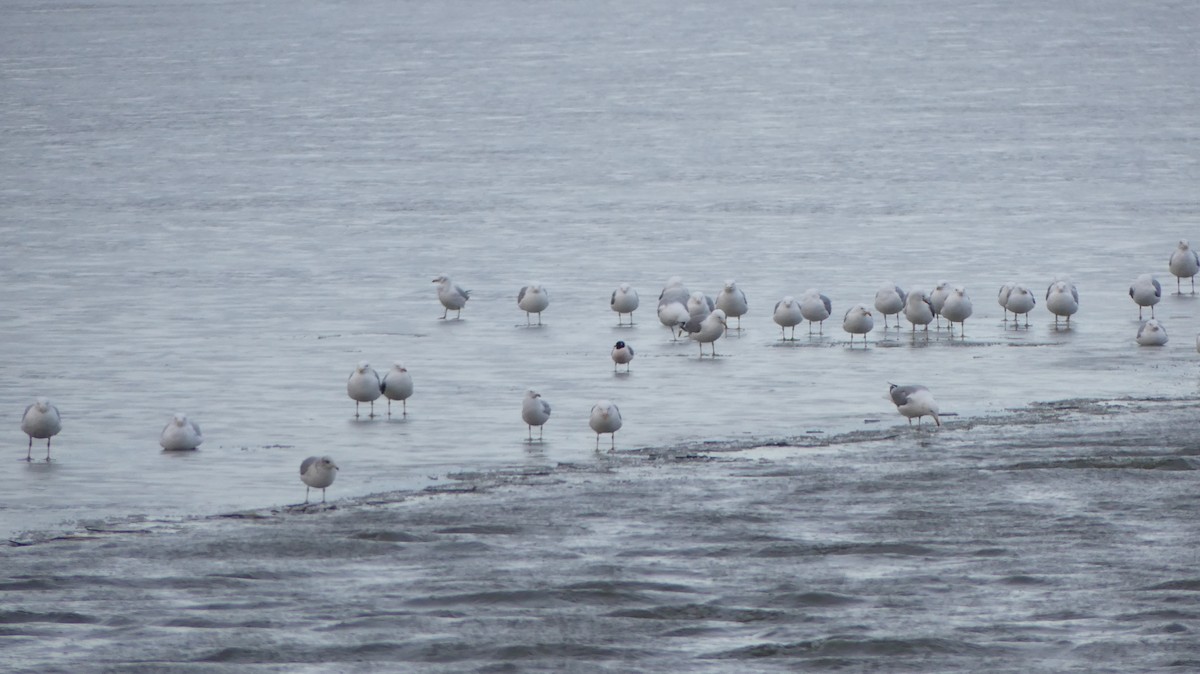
(220, 209)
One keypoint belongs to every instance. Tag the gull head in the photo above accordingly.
(398, 367)
(42, 404)
(363, 366)
(532, 394)
(180, 419)
(441, 278)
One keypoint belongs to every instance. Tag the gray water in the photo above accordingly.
(221, 208)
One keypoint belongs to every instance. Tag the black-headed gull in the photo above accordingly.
(41, 420)
(622, 354)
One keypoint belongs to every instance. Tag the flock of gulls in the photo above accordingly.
(696, 316)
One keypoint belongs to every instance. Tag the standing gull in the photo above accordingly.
(1002, 297)
(937, 299)
(732, 301)
(180, 434)
(957, 309)
(1062, 299)
(1021, 301)
(1146, 292)
(889, 301)
(815, 307)
(858, 321)
(533, 299)
(917, 309)
(674, 291)
(397, 385)
(1151, 333)
(915, 402)
(451, 296)
(1185, 263)
(710, 330)
(674, 315)
(534, 412)
(606, 418)
(317, 473)
(699, 306)
(787, 315)
(41, 420)
(364, 386)
(624, 301)
(621, 354)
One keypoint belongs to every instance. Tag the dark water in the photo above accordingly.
(220, 208)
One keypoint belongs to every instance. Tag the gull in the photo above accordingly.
(534, 412)
(858, 321)
(674, 291)
(364, 386)
(889, 300)
(787, 315)
(674, 315)
(317, 473)
(815, 307)
(397, 385)
(710, 330)
(937, 298)
(915, 402)
(606, 418)
(1151, 333)
(732, 301)
(180, 434)
(622, 353)
(1185, 263)
(451, 296)
(918, 310)
(1146, 292)
(1002, 297)
(624, 301)
(957, 309)
(533, 299)
(41, 420)
(1020, 301)
(1062, 299)
(699, 306)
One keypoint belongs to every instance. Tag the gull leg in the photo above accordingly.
(47, 450)
(322, 494)
(306, 494)
(29, 454)
(372, 414)
(355, 409)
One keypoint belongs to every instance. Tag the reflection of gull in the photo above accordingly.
(1185, 263)
(606, 418)
(364, 386)
(180, 433)
(957, 309)
(815, 307)
(624, 301)
(1020, 301)
(937, 298)
(397, 385)
(1151, 333)
(787, 315)
(915, 402)
(1146, 292)
(533, 299)
(732, 301)
(889, 300)
(621, 354)
(710, 330)
(858, 321)
(1062, 299)
(317, 473)
(41, 420)
(450, 295)
(917, 309)
(1002, 297)
(534, 412)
